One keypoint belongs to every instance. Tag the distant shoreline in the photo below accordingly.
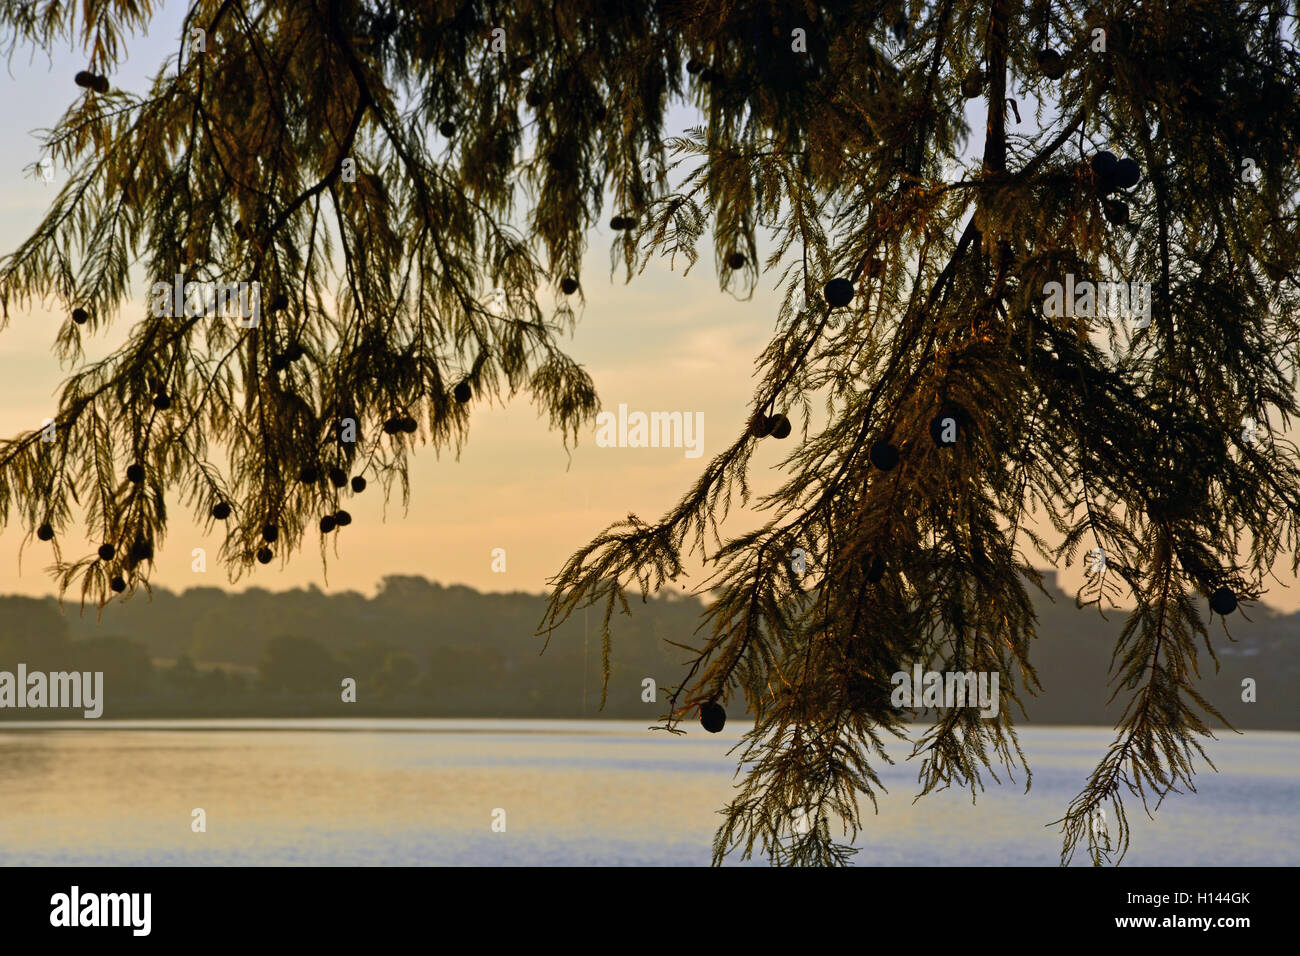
(316, 721)
(419, 650)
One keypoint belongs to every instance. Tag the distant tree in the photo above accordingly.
(125, 663)
(33, 632)
(299, 665)
(380, 169)
(215, 683)
(182, 675)
(226, 634)
(38, 617)
(381, 666)
(398, 674)
(458, 671)
(237, 683)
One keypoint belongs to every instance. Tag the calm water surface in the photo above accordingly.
(377, 792)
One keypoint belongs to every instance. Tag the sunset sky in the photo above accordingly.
(663, 343)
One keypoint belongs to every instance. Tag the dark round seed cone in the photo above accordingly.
(713, 717)
(101, 84)
(1103, 170)
(569, 286)
(106, 552)
(118, 585)
(1223, 602)
(294, 352)
(1104, 162)
(736, 260)
(951, 420)
(463, 393)
(1127, 173)
(338, 477)
(80, 316)
(1116, 212)
(760, 426)
(327, 524)
(780, 426)
(533, 99)
(694, 66)
(1051, 64)
(342, 519)
(270, 532)
(392, 426)
(162, 402)
(265, 555)
(45, 532)
(84, 78)
(309, 475)
(135, 474)
(447, 128)
(279, 363)
(884, 455)
(409, 425)
(221, 511)
(358, 484)
(838, 292)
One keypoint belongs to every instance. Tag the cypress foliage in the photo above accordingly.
(298, 151)
(1119, 435)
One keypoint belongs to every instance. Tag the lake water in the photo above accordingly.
(377, 792)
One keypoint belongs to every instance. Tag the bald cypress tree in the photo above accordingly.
(398, 183)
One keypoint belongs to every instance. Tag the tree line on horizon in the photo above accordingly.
(420, 648)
